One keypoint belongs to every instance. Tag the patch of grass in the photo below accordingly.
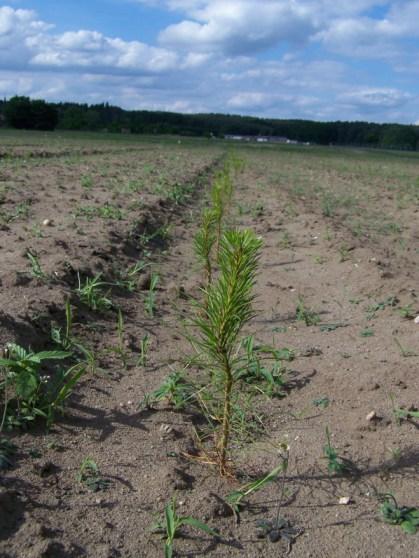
(335, 463)
(237, 499)
(106, 211)
(36, 270)
(127, 279)
(306, 315)
(407, 311)
(86, 181)
(20, 211)
(262, 367)
(321, 402)
(391, 302)
(91, 293)
(175, 389)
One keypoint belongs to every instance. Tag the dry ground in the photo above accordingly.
(339, 233)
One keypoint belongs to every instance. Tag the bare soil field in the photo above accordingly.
(336, 297)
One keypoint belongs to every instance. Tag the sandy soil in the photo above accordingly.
(354, 282)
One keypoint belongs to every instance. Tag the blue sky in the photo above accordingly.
(316, 59)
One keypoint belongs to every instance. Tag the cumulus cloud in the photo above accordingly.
(240, 26)
(90, 49)
(27, 41)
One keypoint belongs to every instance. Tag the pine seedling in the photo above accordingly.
(221, 195)
(204, 242)
(220, 319)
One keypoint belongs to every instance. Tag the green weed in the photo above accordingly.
(91, 293)
(406, 517)
(144, 348)
(335, 463)
(367, 332)
(150, 299)
(407, 311)
(306, 315)
(236, 499)
(36, 270)
(28, 392)
(171, 526)
(175, 390)
(128, 278)
(89, 475)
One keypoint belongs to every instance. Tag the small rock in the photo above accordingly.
(417, 320)
(372, 416)
(47, 222)
(344, 501)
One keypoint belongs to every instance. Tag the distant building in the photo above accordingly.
(259, 139)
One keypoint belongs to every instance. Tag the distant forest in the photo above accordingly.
(25, 113)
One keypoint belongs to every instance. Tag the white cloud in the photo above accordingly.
(90, 49)
(376, 98)
(27, 41)
(240, 26)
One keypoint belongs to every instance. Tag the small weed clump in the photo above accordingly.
(306, 315)
(336, 463)
(89, 475)
(407, 518)
(237, 499)
(171, 526)
(91, 293)
(28, 392)
(36, 269)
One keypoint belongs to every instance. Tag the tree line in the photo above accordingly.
(25, 113)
